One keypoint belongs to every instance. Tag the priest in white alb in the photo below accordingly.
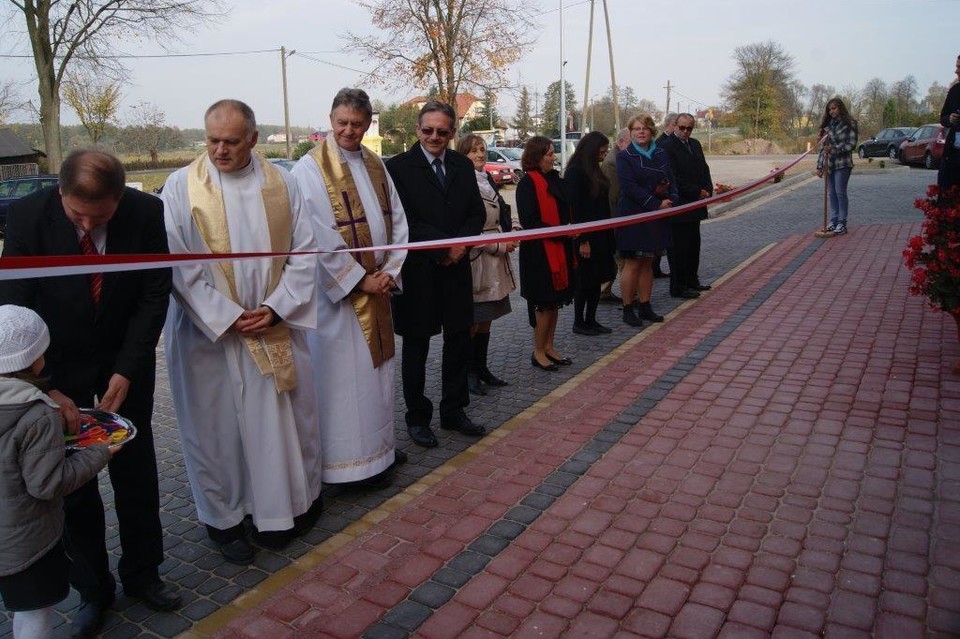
(235, 339)
(346, 187)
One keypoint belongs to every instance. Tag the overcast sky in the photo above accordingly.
(834, 42)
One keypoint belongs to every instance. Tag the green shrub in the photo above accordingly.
(302, 149)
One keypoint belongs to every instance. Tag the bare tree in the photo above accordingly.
(444, 43)
(95, 102)
(149, 130)
(62, 32)
(936, 95)
(9, 100)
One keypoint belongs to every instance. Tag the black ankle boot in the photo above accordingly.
(481, 345)
(646, 312)
(630, 317)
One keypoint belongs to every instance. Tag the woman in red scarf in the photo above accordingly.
(546, 266)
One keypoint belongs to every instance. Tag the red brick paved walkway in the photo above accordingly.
(801, 480)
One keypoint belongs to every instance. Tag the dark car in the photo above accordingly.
(925, 146)
(886, 143)
(16, 188)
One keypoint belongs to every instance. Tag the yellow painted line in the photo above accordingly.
(254, 597)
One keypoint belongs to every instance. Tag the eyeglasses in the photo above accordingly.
(428, 131)
(685, 128)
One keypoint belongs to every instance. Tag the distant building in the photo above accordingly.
(317, 136)
(17, 158)
(275, 138)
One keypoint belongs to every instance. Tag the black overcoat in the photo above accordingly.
(600, 266)
(535, 280)
(435, 296)
(692, 172)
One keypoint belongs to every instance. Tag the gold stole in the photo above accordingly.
(373, 311)
(272, 350)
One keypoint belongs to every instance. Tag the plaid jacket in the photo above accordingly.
(843, 140)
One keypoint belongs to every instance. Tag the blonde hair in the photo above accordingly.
(644, 120)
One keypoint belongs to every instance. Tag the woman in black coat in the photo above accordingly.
(546, 266)
(589, 190)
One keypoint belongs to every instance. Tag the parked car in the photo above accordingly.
(506, 156)
(16, 188)
(885, 143)
(283, 163)
(501, 174)
(571, 146)
(925, 146)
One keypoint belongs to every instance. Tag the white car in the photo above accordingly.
(506, 157)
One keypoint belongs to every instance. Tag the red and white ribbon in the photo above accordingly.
(15, 268)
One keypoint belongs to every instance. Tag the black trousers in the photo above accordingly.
(453, 377)
(133, 474)
(684, 255)
(948, 175)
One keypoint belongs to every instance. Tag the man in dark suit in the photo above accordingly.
(694, 183)
(439, 192)
(104, 329)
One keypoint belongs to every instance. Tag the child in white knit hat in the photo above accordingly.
(35, 474)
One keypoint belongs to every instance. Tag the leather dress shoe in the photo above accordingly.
(600, 328)
(585, 329)
(560, 361)
(238, 551)
(88, 619)
(611, 299)
(657, 274)
(399, 457)
(305, 522)
(156, 595)
(701, 287)
(687, 294)
(423, 436)
(275, 539)
(465, 426)
(490, 379)
(544, 367)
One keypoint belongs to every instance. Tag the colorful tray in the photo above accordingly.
(101, 427)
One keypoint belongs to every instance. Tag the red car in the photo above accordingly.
(924, 147)
(501, 174)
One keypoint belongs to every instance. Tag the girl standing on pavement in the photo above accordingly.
(34, 477)
(839, 138)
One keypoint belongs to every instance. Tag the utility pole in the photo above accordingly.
(563, 99)
(586, 83)
(286, 103)
(613, 76)
(667, 108)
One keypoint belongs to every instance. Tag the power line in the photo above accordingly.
(124, 56)
(332, 64)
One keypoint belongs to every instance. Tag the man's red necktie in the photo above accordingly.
(96, 279)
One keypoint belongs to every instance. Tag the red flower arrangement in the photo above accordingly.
(720, 187)
(933, 257)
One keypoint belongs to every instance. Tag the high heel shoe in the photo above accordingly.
(562, 361)
(548, 367)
